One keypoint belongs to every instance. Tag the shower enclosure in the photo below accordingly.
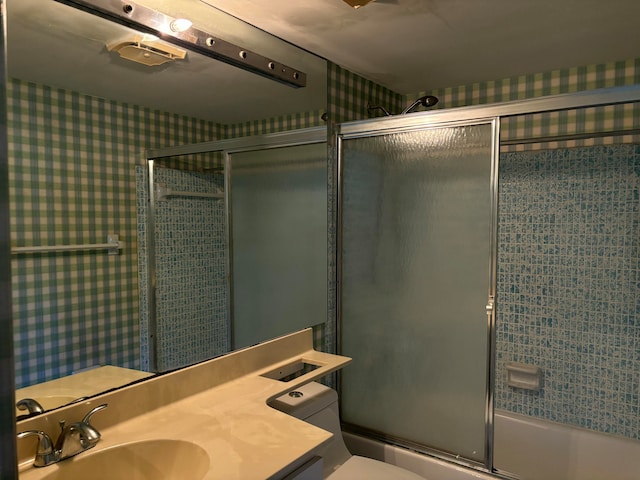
(232, 244)
(417, 255)
(442, 286)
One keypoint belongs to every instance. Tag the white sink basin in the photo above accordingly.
(146, 460)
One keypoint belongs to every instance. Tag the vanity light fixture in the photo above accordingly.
(177, 32)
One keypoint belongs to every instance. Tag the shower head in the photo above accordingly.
(426, 101)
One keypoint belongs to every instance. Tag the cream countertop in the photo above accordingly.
(244, 438)
(58, 392)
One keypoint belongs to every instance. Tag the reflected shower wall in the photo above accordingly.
(238, 250)
(191, 269)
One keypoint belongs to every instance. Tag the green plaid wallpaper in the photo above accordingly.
(349, 95)
(72, 181)
(566, 80)
(275, 124)
(79, 309)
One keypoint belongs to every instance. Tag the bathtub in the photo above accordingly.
(529, 449)
(540, 450)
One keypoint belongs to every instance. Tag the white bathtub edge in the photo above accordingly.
(428, 467)
(530, 448)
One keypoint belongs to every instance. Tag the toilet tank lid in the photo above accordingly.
(306, 400)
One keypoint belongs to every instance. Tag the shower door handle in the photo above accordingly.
(490, 306)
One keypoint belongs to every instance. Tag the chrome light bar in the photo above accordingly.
(148, 20)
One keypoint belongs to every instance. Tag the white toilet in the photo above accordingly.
(318, 405)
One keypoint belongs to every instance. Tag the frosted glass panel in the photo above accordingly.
(279, 209)
(416, 246)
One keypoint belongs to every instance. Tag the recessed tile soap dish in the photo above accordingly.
(291, 371)
(521, 375)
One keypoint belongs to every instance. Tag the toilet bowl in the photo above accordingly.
(318, 405)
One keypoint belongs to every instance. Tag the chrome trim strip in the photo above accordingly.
(491, 310)
(337, 143)
(570, 136)
(590, 98)
(301, 136)
(229, 233)
(139, 17)
(151, 271)
(113, 245)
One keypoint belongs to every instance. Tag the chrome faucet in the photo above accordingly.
(31, 406)
(74, 438)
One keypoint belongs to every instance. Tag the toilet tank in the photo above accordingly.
(318, 405)
(306, 401)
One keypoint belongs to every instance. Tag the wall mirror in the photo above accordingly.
(80, 119)
(248, 224)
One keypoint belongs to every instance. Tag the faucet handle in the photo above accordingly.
(45, 454)
(90, 435)
(87, 417)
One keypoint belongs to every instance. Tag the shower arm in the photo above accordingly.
(410, 107)
(371, 108)
(425, 101)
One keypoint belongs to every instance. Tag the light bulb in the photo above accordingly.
(180, 25)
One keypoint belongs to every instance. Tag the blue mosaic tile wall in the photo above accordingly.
(191, 269)
(569, 284)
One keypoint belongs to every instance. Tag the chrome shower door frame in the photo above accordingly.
(392, 125)
(458, 116)
(227, 147)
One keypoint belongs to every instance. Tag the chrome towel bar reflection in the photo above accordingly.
(163, 192)
(113, 246)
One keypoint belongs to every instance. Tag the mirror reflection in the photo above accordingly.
(238, 250)
(80, 120)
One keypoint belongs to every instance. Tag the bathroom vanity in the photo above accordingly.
(207, 421)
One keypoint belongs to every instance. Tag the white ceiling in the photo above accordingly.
(416, 45)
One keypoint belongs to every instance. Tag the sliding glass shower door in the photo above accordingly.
(417, 220)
